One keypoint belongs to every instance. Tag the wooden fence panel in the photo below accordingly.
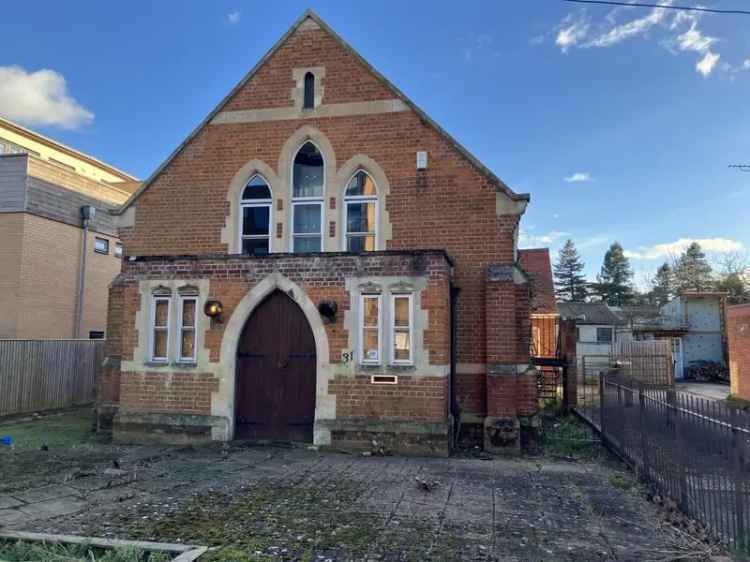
(37, 375)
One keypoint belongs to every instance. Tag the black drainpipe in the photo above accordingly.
(454, 407)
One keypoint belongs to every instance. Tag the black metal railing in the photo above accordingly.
(693, 450)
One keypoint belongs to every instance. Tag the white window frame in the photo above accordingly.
(362, 359)
(360, 199)
(105, 241)
(307, 201)
(153, 328)
(181, 329)
(393, 329)
(255, 203)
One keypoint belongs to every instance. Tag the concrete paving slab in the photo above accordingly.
(45, 493)
(53, 508)
(9, 501)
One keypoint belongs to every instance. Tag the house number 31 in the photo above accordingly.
(347, 356)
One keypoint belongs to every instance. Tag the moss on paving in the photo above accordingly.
(293, 522)
(19, 551)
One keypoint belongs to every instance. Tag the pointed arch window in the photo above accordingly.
(309, 94)
(308, 175)
(255, 231)
(361, 208)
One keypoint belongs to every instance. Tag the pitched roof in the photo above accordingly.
(40, 138)
(536, 263)
(309, 14)
(589, 313)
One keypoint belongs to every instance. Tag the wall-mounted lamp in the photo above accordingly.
(213, 309)
(328, 310)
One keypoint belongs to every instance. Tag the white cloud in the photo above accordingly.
(706, 65)
(39, 98)
(694, 40)
(630, 29)
(571, 31)
(677, 31)
(661, 251)
(527, 240)
(234, 17)
(578, 177)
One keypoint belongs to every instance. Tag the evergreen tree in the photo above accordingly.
(614, 282)
(737, 287)
(692, 271)
(663, 285)
(569, 279)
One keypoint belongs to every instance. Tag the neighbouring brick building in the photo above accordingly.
(319, 261)
(43, 186)
(738, 336)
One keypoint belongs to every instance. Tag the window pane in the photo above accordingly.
(188, 313)
(306, 244)
(401, 346)
(360, 217)
(187, 344)
(370, 345)
(162, 312)
(370, 313)
(256, 188)
(101, 245)
(363, 243)
(307, 218)
(308, 172)
(160, 343)
(401, 311)
(118, 250)
(361, 184)
(255, 220)
(255, 246)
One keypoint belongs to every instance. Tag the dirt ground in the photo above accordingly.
(281, 503)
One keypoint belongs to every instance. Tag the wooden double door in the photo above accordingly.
(276, 363)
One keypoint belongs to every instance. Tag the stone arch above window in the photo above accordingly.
(245, 191)
(289, 152)
(349, 172)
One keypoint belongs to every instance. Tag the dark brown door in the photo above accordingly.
(276, 373)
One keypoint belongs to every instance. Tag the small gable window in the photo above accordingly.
(361, 207)
(256, 217)
(309, 97)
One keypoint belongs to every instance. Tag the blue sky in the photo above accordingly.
(619, 122)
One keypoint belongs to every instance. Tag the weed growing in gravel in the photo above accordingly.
(19, 551)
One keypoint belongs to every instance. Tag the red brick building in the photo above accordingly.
(319, 261)
(738, 343)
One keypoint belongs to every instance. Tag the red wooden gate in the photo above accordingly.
(275, 393)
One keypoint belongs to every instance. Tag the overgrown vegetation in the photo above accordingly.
(569, 438)
(19, 551)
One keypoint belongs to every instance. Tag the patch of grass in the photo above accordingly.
(620, 481)
(737, 402)
(570, 438)
(55, 431)
(19, 551)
